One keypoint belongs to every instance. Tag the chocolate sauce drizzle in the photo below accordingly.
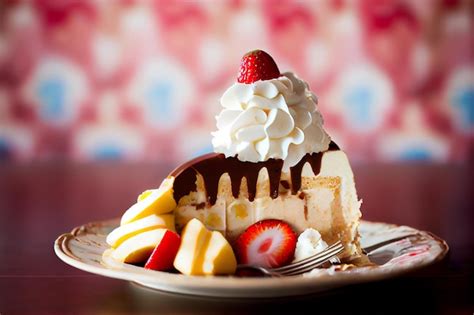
(213, 165)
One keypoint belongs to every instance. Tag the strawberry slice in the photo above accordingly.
(268, 243)
(163, 255)
(257, 65)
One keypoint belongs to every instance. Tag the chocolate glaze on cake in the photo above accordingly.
(213, 165)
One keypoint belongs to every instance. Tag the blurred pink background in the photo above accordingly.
(141, 80)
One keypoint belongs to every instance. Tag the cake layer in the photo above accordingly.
(326, 201)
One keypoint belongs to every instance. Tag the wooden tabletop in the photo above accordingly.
(40, 201)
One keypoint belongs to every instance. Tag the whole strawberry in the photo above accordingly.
(257, 65)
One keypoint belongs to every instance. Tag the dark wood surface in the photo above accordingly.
(41, 201)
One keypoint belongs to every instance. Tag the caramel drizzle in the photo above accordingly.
(213, 165)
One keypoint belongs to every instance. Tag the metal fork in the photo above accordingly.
(298, 267)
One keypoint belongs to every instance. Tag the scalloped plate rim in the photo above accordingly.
(232, 286)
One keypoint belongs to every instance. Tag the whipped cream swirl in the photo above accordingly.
(275, 118)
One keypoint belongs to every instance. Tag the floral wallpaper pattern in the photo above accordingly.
(141, 80)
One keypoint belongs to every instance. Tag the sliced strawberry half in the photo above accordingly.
(163, 255)
(257, 65)
(268, 243)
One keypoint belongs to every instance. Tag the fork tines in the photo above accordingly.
(312, 262)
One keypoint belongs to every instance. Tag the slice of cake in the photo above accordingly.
(276, 189)
(272, 160)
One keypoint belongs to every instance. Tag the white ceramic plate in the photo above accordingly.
(85, 248)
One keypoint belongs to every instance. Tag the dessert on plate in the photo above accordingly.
(276, 189)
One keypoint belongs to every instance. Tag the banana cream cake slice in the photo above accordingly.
(272, 160)
(228, 195)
